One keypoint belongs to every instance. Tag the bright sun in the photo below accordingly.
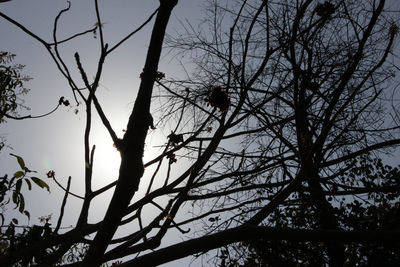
(107, 158)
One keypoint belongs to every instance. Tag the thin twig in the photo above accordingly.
(99, 24)
(73, 36)
(30, 116)
(62, 187)
(132, 33)
(63, 205)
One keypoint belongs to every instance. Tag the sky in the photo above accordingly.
(56, 141)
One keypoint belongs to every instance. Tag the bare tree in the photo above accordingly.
(310, 91)
(283, 96)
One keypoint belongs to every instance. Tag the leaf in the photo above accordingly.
(27, 214)
(21, 204)
(2, 219)
(19, 174)
(18, 186)
(29, 184)
(40, 183)
(15, 221)
(15, 198)
(11, 182)
(20, 161)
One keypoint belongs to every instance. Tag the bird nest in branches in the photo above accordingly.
(218, 98)
(325, 10)
(159, 75)
(175, 139)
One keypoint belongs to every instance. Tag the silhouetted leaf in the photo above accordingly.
(15, 198)
(18, 186)
(19, 174)
(20, 161)
(22, 203)
(29, 184)
(27, 214)
(40, 183)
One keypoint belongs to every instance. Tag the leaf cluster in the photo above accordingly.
(11, 86)
(375, 210)
(11, 192)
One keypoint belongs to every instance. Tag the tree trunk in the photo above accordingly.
(132, 145)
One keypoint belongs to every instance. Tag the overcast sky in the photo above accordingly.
(56, 142)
